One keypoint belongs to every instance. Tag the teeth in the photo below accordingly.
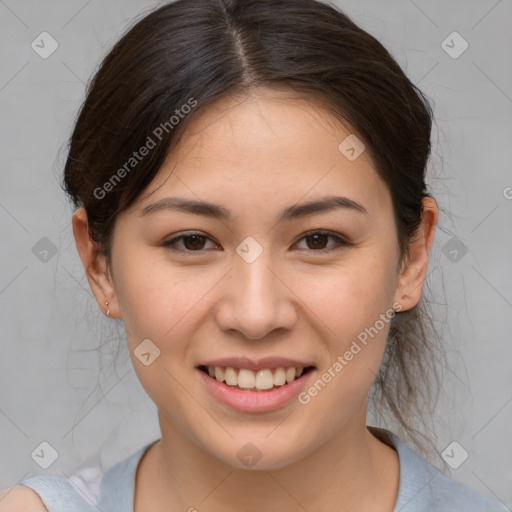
(246, 379)
(290, 374)
(219, 373)
(230, 377)
(263, 379)
(279, 377)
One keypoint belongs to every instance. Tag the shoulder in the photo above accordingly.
(88, 488)
(423, 488)
(21, 498)
(58, 493)
(446, 493)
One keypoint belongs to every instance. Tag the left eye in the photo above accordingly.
(195, 242)
(316, 238)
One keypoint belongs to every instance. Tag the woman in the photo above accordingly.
(249, 183)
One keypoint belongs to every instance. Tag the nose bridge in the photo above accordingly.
(257, 301)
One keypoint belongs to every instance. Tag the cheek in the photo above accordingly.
(159, 300)
(160, 303)
(352, 306)
(352, 296)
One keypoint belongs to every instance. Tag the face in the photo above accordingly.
(259, 281)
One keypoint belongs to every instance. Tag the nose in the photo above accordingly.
(256, 299)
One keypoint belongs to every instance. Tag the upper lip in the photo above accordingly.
(251, 364)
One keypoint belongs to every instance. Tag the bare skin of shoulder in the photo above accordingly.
(21, 498)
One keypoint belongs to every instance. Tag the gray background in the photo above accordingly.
(56, 385)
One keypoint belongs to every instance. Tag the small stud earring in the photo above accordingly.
(108, 309)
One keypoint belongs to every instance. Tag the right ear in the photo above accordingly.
(95, 265)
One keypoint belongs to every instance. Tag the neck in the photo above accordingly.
(351, 471)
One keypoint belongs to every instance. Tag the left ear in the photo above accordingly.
(414, 266)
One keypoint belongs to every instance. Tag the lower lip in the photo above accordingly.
(255, 401)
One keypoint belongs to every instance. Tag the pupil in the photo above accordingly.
(196, 239)
(315, 238)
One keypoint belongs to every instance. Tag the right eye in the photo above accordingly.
(192, 242)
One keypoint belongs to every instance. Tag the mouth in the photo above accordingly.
(256, 380)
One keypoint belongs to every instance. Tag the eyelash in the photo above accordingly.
(341, 242)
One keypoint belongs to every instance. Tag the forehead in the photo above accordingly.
(267, 147)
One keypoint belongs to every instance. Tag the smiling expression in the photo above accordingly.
(258, 238)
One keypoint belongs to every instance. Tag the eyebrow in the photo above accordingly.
(192, 206)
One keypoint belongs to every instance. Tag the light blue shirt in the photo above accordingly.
(422, 487)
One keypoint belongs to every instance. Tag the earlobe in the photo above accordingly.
(95, 265)
(415, 264)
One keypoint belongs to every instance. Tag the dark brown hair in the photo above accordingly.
(194, 52)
